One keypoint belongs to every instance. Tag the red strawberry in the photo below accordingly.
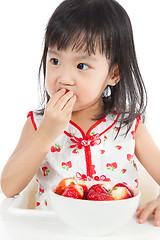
(121, 191)
(63, 184)
(75, 151)
(45, 202)
(41, 191)
(84, 186)
(105, 138)
(118, 147)
(114, 165)
(67, 90)
(69, 164)
(45, 171)
(73, 191)
(133, 133)
(53, 149)
(116, 129)
(136, 180)
(124, 170)
(97, 188)
(102, 151)
(129, 157)
(111, 166)
(96, 196)
(56, 148)
(37, 203)
(66, 165)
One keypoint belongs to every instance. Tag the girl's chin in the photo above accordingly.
(78, 107)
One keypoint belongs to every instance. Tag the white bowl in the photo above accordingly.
(95, 218)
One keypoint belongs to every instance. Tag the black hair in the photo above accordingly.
(89, 24)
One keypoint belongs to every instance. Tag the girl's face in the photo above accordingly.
(85, 75)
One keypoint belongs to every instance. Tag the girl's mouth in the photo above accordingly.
(65, 89)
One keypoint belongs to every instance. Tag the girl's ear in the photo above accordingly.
(114, 76)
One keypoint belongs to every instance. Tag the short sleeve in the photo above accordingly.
(137, 122)
(30, 114)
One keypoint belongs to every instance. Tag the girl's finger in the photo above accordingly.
(148, 210)
(55, 98)
(63, 101)
(157, 217)
(69, 106)
(140, 209)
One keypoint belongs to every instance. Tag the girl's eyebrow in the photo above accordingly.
(86, 57)
(51, 51)
(78, 57)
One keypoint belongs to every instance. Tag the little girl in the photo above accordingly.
(90, 124)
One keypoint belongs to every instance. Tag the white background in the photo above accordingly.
(22, 25)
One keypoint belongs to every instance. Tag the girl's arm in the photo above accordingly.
(24, 162)
(34, 145)
(149, 156)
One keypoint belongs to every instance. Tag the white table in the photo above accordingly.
(14, 227)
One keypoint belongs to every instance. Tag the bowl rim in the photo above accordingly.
(136, 191)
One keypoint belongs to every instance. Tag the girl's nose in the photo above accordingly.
(66, 77)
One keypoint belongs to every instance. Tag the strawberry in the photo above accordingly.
(96, 196)
(118, 147)
(73, 191)
(75, 151)
(63, 184)
(121, 191)
(102, 151)
(66, 165)
(45, 202)
(123, 170)
(82, 183)
(45, 171)
(67, 90)
(133, 134)
(105, 138)
(56, 148)
(37, 203)
(111, 166)
(98, 188)
(98, 193)
(129, 157)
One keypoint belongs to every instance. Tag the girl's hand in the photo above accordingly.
(57, 115)
(147, 209)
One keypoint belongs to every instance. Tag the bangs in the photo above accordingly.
(74, 30)
(79, 40)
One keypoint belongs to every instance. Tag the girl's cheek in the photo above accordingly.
(49, 89)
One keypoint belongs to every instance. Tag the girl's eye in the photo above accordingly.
(55, 61)
(82, 66)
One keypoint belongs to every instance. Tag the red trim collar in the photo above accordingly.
(87, 136)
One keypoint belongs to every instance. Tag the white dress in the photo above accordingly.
(94, 156)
